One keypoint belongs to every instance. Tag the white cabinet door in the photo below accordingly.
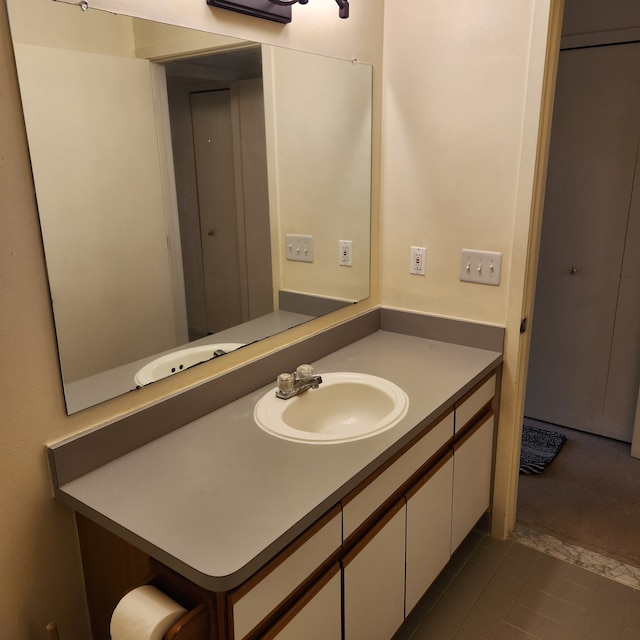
(364, 501)
(472, 462)
(319, 617)
(253, 601)
(373, 575)
(428, 530)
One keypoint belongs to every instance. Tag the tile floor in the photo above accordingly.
(503, 590)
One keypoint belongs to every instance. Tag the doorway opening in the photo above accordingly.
(216, 106)
(584, 368)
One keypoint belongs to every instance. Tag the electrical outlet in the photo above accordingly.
(299, 247)
(344, 253)
(418, 265)
(483, 267)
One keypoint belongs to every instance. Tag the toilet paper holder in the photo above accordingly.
(194, 624)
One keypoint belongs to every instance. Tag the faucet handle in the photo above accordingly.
(304, 372)
(285, 383)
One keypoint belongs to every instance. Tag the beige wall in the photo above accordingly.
(462, 96)
(463, 88)
(454, 91)
(38, 553)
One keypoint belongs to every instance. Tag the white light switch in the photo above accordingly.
(483, 267)
(299, 247)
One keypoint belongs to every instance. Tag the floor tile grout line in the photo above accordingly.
(471, 604)
(477, 598)
(464, 561)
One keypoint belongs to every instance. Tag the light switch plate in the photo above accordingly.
(482, 267)
(299, 247)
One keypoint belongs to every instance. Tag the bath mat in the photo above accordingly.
(539, 448)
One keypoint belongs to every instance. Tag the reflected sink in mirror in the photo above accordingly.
(177, 361)
(347, 406)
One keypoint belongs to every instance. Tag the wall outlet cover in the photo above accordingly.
(345, 253)
(418, 261)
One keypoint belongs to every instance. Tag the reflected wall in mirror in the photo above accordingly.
(169, 164)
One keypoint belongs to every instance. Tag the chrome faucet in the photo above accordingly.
(301, 380)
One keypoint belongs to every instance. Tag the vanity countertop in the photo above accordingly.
(218, 498)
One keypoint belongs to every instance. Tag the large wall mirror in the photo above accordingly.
(171, 169)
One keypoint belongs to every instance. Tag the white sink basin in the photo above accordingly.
(346, 407)
(177, 361)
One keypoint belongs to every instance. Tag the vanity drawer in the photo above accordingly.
(357, 507)
(316, 616)
(251, 603)
(470, 404)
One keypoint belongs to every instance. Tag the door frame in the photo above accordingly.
(538, 113)
(167, 172)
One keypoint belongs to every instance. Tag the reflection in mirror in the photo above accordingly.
(169, 165)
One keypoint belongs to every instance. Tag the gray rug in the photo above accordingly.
(539, 448)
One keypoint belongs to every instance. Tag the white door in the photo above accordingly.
(218, 133)
(585, 323)
(213, 144)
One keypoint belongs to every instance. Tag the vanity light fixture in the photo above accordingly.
(275, 10)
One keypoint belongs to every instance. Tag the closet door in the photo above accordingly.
(594, 146)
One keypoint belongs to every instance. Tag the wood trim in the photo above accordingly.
(471, 423)
(268, 620)
(288, 551)
(283, 607)
(111, 568)
(193, 626)
(428, 475)
(401, 491)
(402, 488)
(222, 623)
(372, 533)
(201, 620)
(284, 620)
(464, 436)
(365, 483)
(469, 395)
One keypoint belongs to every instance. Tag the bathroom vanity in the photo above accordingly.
(259, 537)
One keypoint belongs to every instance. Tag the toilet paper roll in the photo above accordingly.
(144, 613)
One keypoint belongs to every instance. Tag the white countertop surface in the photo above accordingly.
(219, 497)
